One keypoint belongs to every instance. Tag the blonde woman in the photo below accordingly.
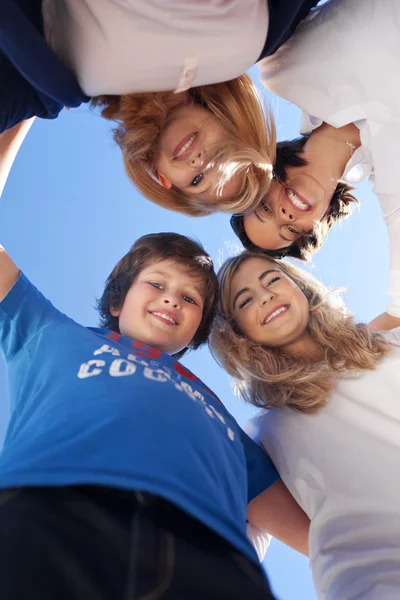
(210, 148)
(67, 52)
(333, 430)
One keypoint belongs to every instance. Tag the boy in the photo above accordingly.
(122, 475)
(306, 198)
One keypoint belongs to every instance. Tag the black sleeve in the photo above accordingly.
(284, 17)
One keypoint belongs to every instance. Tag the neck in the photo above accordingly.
(305, 348)
(328, 151)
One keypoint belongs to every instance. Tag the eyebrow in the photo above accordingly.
(162, 273)
(246, 289)
(258, 216)
(199, 290)
(196, 287)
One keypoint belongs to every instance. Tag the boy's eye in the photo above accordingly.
(197, 180)
(292, 230)
(156, 285)
(266, 208)
(244, 303)
(189, 299)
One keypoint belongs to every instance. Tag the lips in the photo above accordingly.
(275, 313)
(165, 316)
(185, 146)
(297, 201)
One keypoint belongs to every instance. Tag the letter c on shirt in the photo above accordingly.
(86, 369)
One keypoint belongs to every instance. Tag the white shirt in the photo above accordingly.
(343, 66)
(342, 465)
(128, 46)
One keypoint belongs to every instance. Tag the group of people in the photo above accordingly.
(123, 475)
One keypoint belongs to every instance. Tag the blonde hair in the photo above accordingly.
(269, 378)
(250, 148)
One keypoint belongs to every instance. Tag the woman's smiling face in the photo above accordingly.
(188, 144)
(269, 308)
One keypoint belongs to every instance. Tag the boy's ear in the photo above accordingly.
(165, 182)
(115, 312)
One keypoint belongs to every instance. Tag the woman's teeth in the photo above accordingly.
(186, 146)
(276, 312)
(295, 200)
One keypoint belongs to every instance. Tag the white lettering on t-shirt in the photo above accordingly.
(219, 416)
(121, 367)
(155, 374)
(107, 348)
(137, 360)
(85, 369)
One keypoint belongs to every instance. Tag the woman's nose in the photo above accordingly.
(197, 159)
(266, 297)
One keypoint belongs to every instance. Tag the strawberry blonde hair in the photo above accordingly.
(269, 378)
(250, 147)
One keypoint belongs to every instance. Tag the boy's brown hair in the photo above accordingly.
(150, 249)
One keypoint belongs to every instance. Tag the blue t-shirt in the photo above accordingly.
(89, 406)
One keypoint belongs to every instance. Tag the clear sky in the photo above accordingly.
(69, 213)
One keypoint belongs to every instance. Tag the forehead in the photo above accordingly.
(251, 269)
(263, 231)
(174, 269)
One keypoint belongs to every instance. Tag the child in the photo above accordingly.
(333, 428)
(335, 69)
(121, 472)
(279, 227)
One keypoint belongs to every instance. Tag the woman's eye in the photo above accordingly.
(156, 285)
(197, 180)
(273, 280)
(293, 230)
(244, 303)
(189, 299)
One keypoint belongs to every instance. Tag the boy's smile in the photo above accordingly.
(163, 307)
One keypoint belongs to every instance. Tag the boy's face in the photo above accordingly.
(289, 211)
(163, 307)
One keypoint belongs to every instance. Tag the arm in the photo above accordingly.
(390, 206)
(384, 322)
(9, 273)
(276, 512)
(10, 142)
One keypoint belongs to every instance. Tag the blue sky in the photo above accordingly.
(68, 213)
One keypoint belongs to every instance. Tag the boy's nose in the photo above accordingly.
(286, 214)
(172, 301)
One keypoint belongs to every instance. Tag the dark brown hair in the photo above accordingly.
(288, 154)
(150, 249)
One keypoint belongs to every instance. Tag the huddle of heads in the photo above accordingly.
(230, 162)
(214, 148)
(259, 319)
